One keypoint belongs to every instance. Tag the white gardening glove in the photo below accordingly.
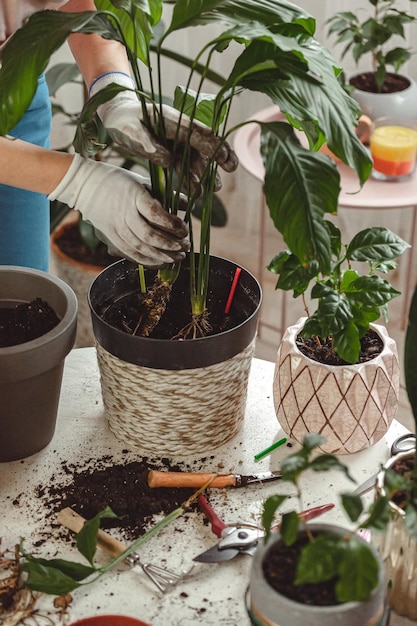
(122, 116)
(126, 217)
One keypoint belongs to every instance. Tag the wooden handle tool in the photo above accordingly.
(189, 479)
(70, 519)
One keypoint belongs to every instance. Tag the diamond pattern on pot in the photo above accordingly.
(351, 406)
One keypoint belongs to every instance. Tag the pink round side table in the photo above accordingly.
(374, 195)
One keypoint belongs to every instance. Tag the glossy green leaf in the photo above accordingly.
(43, 34)
(305, 189)
(375, 244)
(270, 507)
(379, 514)
(346, 342)
(47, 579)
(353, 505)
(358, 572)
(290, 524)
(136, 19)
(411, 520)
(87, 537)
(371, 291)
(319, 559)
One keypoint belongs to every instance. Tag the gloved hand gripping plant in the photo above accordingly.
(274, 53)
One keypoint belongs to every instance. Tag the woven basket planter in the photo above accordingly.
(175, 397)
(399, 554)
(270, 608)
(351, 406)
(79, 277)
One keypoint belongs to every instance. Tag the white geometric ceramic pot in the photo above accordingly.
(399, 554)
(351, 406)
(400, 103)
(270, 608)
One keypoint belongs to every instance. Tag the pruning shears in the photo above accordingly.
(239, 538)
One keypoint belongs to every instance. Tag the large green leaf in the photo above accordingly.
(234, 12)
(311, 92)
(136, 18)
(27, 53)
(300, 187)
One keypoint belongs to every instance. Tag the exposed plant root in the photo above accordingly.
(154, 306)
(17, 602)
(198, 327)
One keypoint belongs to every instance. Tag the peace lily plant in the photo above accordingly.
(274, 52)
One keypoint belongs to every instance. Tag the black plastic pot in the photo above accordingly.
(119, 280)
(31, 372)
(175, 397)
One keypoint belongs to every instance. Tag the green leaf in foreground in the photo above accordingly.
(58, 576)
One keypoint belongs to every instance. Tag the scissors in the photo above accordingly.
(404, 443)
(239, 538)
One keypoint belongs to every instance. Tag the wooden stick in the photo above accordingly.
(189, 479)
(70, 519)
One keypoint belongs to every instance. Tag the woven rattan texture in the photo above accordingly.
(175, 413)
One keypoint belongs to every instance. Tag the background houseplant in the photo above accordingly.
(318, 385)
(345, 567)
(375, 36)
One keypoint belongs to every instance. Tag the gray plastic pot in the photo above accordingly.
(31, 373)
(272, 609)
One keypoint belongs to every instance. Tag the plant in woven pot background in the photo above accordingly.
(398, 482)
(337, 373)
(315, 573)
(378, 91)
(273, 52)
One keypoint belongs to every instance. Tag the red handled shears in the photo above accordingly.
(239, 538)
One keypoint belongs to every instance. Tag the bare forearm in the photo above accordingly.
(93, 54)
(29, 167)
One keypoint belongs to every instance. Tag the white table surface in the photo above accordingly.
(214, 593)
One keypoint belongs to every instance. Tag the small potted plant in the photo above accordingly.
(276, 54)
(337, 373)
(378, 91)
(317, 574)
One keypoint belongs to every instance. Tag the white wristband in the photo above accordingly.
(102, 81)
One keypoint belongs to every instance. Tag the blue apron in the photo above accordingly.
(24, 215)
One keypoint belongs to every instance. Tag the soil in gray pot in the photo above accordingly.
(280, 571)
(25, 322)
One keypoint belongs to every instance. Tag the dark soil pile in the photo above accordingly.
(280, 572)
(71, 244)
(393, 82)
(122, 486)
(323, 351)
(25, 322)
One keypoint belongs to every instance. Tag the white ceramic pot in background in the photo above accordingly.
(352, 406)
(401, 103)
